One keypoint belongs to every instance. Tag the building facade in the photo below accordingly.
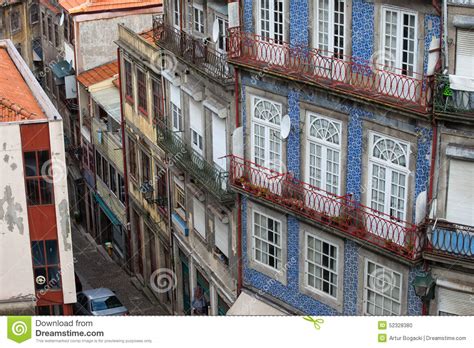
(337, 141)
(35, 230)
(179, 112)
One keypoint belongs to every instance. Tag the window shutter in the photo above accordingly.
(465, 53)
(199, 217)
(219, 141)
(454, 302)
(175, 95)
(221, 236)
(460, 192)
(195, 116)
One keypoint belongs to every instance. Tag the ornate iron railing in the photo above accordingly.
(195, 51)
(207, 174)
(450, 238)
(340, 212)
(347, 74)
(447, 100)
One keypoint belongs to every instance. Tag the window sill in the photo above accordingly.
(181, 213)
(200, 236)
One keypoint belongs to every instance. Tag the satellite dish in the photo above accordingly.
(215, 31)
(61, 20)
(285, 126)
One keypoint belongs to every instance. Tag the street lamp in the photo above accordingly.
(424, 286)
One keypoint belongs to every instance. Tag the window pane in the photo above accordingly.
(30, 164)
(32, 191)
(40, 277)
(46, 192)
(37, 250)
(54, 278)
(52, 252)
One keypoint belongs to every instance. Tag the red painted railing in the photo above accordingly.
(347, 74)
(340, 212)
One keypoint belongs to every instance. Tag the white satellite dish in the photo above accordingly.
(215, 31)
(285, 126)
(61, 20)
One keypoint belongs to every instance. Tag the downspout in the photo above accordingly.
(125, 171)
(444, 22)
(239, 198)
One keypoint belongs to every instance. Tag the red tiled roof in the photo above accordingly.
(99, 74)
(17, 102)
(85, 6)
(148, 35)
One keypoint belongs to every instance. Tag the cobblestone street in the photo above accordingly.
(95, 269)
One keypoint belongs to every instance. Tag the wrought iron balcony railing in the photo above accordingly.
(450, 101)
(451, 239)
(207, 174)
(194, 51)
(340, 212)
(349, 75)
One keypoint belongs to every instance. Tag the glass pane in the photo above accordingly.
(37, 250)
(32, 191)
(44, 163)
(52, 255)
(54, 278)
(46, 192)
(30, 164)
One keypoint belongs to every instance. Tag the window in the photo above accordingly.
(222, 306)
(39, 188)
(329, 26)
(44, 23)
(321, 265)
(157, 105)
(105, 172)
(71, 30)
(464, 53)
(15, 21)
(66, 28)
(113, 180)
(180, 198)
(121, 188)
(399, 40)
(198, 19)
(46, 264)
(146, 168)
(199, 217)
(128, 81)
(266, 118)
(34, 13)
(132, 152)
(161, 189)
(197, 141)
(267, 240)
(98, 166)
(223, 26)
(382, 290)
(176, 13)
(142, 97)
(221, 236)
(177, 118)
(270, 21)
(324, 150)
(56, 35)
(388, 176)
(50, 29)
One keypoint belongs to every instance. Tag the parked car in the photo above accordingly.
(99, 302)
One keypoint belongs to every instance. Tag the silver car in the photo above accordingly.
(100, 301)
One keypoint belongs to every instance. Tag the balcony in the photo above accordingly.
(207, 174)
(453, 103)
(348, 216)
(346, 75)
(449, 239)
(194, 51)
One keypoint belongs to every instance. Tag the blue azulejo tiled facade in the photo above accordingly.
(359, 120)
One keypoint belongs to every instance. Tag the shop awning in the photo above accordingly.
(62, 69)
(109, 100)
(113, 219)
(250, 304)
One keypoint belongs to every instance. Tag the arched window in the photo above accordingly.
(388, 167)
(324, 153)
(266, 110)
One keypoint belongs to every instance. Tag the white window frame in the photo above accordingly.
(390, 168)
(198, 19)
(331, 21)
(383, 276)
(177, 13)
(326, 146)
(279, 260)
(223, 25)
(199, 205)
(179, 191)
(270, 130)
(273, 20)
(197, 141)
(308, 235)
(397, 61)
(177, 117)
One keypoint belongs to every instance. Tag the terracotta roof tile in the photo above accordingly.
(17, 102)
(99, 74)
(50, 6)
(84, 6)
(148, 36)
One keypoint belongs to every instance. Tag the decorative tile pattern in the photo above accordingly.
(247, 20)
(432, 29)
(351, 277)
(299, 23)
(293, 142)
(423, 161)
(414, 302)
(362, 29)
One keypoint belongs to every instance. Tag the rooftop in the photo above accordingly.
(17, 101)
(89, 6)
(98, 74)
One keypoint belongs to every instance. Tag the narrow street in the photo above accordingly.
(96, 270)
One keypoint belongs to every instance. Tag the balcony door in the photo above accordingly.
(266, 144)
(270, 47)
(387, 194)
(399, 55)
(329, 39)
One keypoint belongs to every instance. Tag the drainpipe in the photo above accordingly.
(444, 22)
(239, 198)
(125, 171)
